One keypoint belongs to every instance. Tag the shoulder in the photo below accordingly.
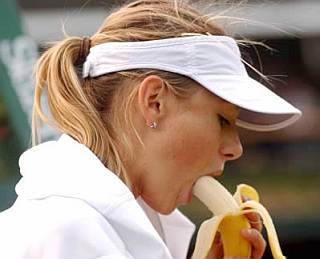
(58, 227)
(76, 226)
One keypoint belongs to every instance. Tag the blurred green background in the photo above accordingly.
(283, 165)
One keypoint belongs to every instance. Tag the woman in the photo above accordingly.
(147, 105)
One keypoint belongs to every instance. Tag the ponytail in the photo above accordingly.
(59, 72)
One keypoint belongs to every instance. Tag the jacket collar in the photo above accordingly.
(69, 169)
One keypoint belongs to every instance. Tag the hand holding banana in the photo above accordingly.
(230, 219)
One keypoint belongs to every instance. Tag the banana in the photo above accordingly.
(229, 218)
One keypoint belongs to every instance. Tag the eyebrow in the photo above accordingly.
(232, 110)
(231, 105)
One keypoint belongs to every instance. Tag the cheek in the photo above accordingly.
(193, 148)
(185, 150)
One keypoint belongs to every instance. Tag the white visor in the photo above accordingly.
(212, 61)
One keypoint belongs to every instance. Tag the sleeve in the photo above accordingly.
(79, 239)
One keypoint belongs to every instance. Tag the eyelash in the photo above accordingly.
(223, 121)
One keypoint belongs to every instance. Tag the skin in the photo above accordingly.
(253, 236)
(190, 141)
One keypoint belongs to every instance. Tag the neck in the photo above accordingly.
(133, 180)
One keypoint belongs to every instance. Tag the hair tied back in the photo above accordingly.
(84, 50)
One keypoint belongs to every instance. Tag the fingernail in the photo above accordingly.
(247, 231)
(245, 198)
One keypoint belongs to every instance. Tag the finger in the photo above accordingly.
(245, 198)
(217, 238)
(216, 250)
(255, 238)
(254, 220)
(235, 257)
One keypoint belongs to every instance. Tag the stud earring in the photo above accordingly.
(153, 125)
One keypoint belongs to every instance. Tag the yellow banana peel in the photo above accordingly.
(229, 218)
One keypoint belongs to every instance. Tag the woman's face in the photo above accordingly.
(194, 137)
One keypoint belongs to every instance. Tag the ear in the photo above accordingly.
(151, 96)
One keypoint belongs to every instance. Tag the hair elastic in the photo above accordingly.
(84, 50)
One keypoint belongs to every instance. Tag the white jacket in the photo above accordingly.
(70, 206)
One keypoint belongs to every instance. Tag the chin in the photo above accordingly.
(166, 211)
(161, 207)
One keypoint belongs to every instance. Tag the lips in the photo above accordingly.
(217, 173)
(186, 197)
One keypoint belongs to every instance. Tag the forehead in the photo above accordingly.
(229, 106)
(205, 98)
(225, 106)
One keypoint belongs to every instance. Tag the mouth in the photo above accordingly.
(214, 173)
(186, 197)
(217, 173)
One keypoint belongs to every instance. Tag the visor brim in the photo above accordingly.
(253, 96)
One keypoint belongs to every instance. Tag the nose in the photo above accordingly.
(231, 147)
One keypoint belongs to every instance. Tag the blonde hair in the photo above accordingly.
(96, 111)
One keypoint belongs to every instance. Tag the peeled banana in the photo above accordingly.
(229, 218)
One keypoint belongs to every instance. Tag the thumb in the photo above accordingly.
(216, 250)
